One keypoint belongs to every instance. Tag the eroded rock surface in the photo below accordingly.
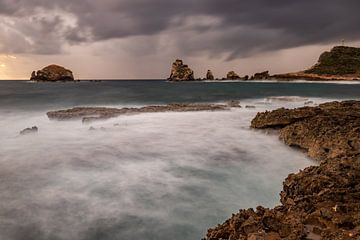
(52, 73)
(320, 202)
(181, 72)
(97, 113)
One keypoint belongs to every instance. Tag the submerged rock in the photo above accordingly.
(209, 75)
(27, 131)
(181, 72)
(320, 202)
(52, 73)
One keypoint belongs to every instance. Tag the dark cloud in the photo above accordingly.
(231, 27)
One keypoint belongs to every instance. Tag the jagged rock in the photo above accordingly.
(52, 73)
(232, 76)
(319, 202)
(261, 76)
(181, 72)
(27, 131)
(209, 75)
(88, 114)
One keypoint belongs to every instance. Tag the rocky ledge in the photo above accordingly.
(88, 114)
(320, 202)
(52, 73)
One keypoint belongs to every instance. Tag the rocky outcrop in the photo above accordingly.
(27, 131)
(341, 63)
(181, 72)
(209, 75)
(261, 76)
(320, 202)
(88, 114)
(232, 76)
(52, 73)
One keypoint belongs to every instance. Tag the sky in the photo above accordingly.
(139, 39)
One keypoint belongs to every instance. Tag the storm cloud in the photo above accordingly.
(229, 28)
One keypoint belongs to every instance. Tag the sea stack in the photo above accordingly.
(181, 72)
(209, 75)
(261, 76)
(52, 73)
(233, 76)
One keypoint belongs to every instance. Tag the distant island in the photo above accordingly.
(342, 63)
(52, 73)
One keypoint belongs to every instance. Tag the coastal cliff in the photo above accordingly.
(341, 63)
(319, 202)
(52, 73)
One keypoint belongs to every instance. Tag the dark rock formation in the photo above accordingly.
(181, 72)
(320, 202)
(209, 75)
(341, 64)
(234, 104)
(233, 76)
(261, 76)
(52, 73)
(27, 131)
(340, 60)
(98, 113)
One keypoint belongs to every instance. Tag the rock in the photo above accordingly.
(249, 106)
(27, 131)
(181, 72)
(234, 104)
(261, 76)
(232, 76)
(88, 114)
(52, 73)
(319, 202)
(341, 64)
(209, 75)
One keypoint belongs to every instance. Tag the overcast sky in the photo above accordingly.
(141, 38)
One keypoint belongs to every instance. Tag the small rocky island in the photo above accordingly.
(52, 73)
(319, 202)
(341, 63)
(181, 72)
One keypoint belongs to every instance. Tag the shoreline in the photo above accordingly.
(319, 202)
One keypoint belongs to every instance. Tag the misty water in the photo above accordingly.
(147, 176)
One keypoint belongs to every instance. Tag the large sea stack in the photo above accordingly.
(341, 63)
(232, 76)
(209, 75)
(181, 72)
(52, 73)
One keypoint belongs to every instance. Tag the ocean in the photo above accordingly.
(146, 176)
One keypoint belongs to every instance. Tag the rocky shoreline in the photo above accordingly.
(319, 202)
(88, 114)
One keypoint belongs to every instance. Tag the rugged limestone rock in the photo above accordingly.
(88, 114)
(209, 75)
(320, 202)
(232, 76)
(261, 76)
(181, 72)
(52, 73)
(341, 64)
(340, 60)
(27, 131)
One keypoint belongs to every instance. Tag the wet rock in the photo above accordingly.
(52, 73)
(88, 114)
(319, 202)
(27, 131)
(234, 104)
(250, 106)
(181, 72)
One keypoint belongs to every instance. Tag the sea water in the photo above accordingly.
(146, 176)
